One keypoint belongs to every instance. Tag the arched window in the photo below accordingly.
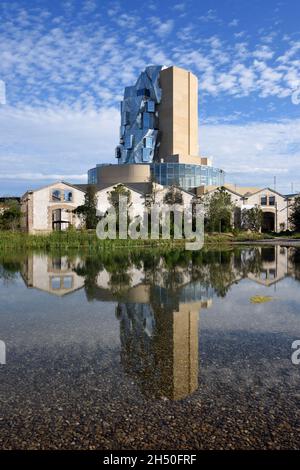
(55, 195)
(68, 196)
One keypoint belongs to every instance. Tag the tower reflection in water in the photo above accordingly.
(159, 340)
(159, 303)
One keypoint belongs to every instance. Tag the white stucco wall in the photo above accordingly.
(43, 273)
(137, 201)
(280, 209)
(137, 206)
(42, 202)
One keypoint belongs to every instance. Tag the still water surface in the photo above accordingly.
(143, 351)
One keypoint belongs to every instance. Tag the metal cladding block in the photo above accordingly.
(139, 118)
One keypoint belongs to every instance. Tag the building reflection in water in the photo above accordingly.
(275, 265)
(2, 352)
(55, 275)
(158, 308)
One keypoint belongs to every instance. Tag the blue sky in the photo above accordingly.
(65, 64)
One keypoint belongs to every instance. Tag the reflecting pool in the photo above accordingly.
(139, 350)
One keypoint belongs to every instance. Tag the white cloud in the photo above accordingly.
(41, 177)
(64, 78)
(161, 27)
(254, 153)
(179, 6)
(210, 16)
(55, 143)
(234, 22)
(263, 52)
(89, 6)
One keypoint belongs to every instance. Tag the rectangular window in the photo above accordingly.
(55, 283)
(67, 282)
(148, 142)
(146, 154)
(263, 200)
(128, 141)
(272, 200)
(146, 120)
(150, 106)
(56, 215)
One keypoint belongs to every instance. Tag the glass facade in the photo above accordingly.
(92, 176)
(186, 176)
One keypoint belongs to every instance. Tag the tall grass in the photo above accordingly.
(89, 241)
(76, 240)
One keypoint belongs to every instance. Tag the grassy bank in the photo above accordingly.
(227, 238)
(88, 240)
(76, 240)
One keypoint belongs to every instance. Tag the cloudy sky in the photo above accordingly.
(65, 64)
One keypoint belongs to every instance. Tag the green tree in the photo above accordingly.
(219, 210)
(151, 199)
(251, 219)
(114, 200)
(11, 216)
(117, 191)
(295, 215)
(174, 197)
(88, 211)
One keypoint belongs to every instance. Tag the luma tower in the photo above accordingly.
(159, 133)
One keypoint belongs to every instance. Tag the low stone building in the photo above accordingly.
(51, 208)
(276, 207)
(53, 274)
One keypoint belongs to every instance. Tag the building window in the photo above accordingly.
(148, 142)
(55, 283)
(143, 92)
(128, 141)
(56, 195)
(146, 152)
(67, 282)
(263, 200)
(272, 201)
(150, 106)
(68, 196)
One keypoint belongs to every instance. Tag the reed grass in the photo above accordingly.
(88, 240)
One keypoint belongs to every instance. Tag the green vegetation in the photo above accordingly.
(114, 197)
(72, 239)
(173, 196)
(75, 239)
(260, 299)
(219, 210)
(251, 219)
(10, 216)
(88, 211)
(235, 237)
(295, 215)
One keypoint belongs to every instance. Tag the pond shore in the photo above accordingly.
(88, 240)
(273, 241)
